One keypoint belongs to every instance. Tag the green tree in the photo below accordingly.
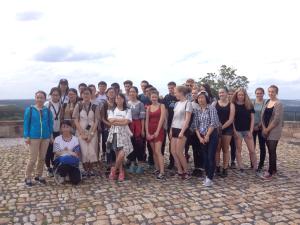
(227, 77)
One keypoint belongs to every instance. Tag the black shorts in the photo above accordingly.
(227, 131)
(176, 132)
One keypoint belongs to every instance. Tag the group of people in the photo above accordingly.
(127, 130)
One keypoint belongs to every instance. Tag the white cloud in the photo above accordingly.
(154, 40)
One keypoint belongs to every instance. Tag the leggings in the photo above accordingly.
(50, 155)
(272, 146)
(262, 147)
(232, 150)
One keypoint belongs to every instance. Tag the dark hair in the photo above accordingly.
(145, 82)
(171, 83)
(208, 90)
(190, 80)
(182, 89)
(102, 83)
(86, 89)
(149, 86)
(128, 82)
(63, 81)
(66, 122)
(224, 88)
(260, 89)
(154, 91)
(73, 90)
(115, 85)
(55, 89)
(108, 89)
(82, 85)
(275, 87)
(92, 86)
(41, 92)
(205, 94)
(124, 100)
(135, 89)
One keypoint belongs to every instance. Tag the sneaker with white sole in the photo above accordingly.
(208, 182)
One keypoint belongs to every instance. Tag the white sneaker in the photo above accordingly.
(208, 182)
(59, 179)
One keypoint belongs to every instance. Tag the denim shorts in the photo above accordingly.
(243, 134)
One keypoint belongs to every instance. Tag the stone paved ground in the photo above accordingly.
(143, 200)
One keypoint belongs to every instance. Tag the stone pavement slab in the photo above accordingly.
(238, 199)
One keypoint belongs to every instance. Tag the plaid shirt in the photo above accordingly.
(205, 119)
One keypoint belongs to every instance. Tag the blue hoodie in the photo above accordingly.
(41, 124)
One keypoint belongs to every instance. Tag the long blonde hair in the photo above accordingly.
(247, 101)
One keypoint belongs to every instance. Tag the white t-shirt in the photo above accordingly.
(60, 144)
(102, 98)
(118, 114)
(179, 113)
(64, 99)
(55, 109)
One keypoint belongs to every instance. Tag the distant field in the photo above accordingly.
(14, 109)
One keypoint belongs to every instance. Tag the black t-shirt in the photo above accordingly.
(169, 101)
(242, 120)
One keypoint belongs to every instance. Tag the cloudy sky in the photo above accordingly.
(89, 41)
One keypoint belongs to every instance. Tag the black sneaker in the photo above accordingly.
(161, 176)
(186, 176)
(197, 173)
(232, 165)
(41, 180)
(218, 171)
(170, 166)
(155, 172)
(28, 182)
(224, 173)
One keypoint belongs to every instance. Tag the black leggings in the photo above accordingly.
(262, 147)
(138, 150)
(232, 150)
(50, 155)
(272, 146)
(193, 140)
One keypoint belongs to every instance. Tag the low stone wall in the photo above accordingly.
(13, 129)
(291, 129)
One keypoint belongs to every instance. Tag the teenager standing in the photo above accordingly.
(155, 117)
(272, 124)
(226, 113)
(180, 130)
(207, 122)
(243, 126)
(54, 105)
(38, 127)
(258, 104)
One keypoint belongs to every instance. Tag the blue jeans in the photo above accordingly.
(209, 154)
